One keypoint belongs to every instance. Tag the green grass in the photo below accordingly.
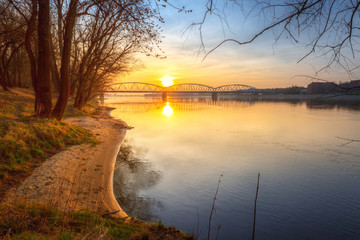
(35, 221)
(22, 141)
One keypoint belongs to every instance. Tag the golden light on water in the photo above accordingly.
(168, 111)
(167, 81)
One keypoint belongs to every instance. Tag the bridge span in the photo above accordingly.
(139, 87)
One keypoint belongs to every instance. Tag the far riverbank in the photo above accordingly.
(322, 97)
(311, 101)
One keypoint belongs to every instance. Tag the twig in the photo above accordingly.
(197, 234)
(110, 213)
(218, 230)
(213, 206)
(257, 191)
(85, 237)
(349, 141)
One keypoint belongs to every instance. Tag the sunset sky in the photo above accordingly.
(262, 64)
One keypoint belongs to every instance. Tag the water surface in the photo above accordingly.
(310, 178)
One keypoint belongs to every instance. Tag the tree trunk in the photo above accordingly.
(65, 62)
(5, 88)
(55, 76)
(79, 96)
(7, 78)
(19, 79)
(43, 96)
(59, 8)
(3, 85)
(29, 32)
(6, 75)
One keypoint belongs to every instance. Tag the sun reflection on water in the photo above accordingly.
(168, 111)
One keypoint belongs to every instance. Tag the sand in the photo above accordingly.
(79, 177)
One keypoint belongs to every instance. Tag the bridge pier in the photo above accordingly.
(164, 95)
(214, 96)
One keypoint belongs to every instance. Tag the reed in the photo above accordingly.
(213, 207)
(255, 201)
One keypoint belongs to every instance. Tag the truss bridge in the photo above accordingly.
(139, 87)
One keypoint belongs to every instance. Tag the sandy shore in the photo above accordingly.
(80, 177)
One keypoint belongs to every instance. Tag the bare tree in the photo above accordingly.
(106, 38)
(11, 46)
(37, 13)
(65, 61)
(328, 27)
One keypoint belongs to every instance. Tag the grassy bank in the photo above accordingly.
(34, 221)
(25, 141)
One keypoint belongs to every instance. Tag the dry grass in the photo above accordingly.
(34, 221)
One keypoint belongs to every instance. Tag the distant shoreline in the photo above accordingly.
(327, 97)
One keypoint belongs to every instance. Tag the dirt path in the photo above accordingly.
(80, 177)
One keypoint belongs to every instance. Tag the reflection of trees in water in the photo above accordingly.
(131, 176)
(333, 104)
(311, 101)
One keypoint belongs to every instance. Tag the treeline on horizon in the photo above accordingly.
(288, 90)
(73, 47)
(329, 87)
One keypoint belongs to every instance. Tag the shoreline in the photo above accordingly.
(79, 177)
(319, 97)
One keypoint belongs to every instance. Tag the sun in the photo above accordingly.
(167, 81)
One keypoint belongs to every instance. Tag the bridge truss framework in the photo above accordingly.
(139, 87)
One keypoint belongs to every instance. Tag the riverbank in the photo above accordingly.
(26, 142)
(61, 191)
(318, 97)
(79, 177)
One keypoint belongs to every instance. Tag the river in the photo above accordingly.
(179, 148)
